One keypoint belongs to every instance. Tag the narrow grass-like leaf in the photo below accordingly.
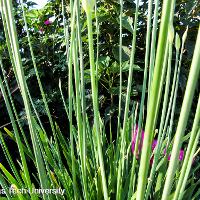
(123, 132)
(154, 100)
(7, 9)
(88, 7)
(187, 101)
(189, 155)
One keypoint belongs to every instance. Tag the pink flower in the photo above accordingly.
(47, 22)
(154, 143)
(141, 141)
(181, 154)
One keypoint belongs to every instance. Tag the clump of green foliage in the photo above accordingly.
(90, 164)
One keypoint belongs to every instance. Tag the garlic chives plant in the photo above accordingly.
(92, 163)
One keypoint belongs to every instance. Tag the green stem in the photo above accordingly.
(153, 45)
(130, 78)
(187, 101)
(154, 100)
(70, 94)
(22, 84)
(95, 102)
(120, 66)
(194, 138)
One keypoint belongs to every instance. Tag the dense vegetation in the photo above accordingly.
(84, 80)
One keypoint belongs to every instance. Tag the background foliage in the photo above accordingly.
(50, 53)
